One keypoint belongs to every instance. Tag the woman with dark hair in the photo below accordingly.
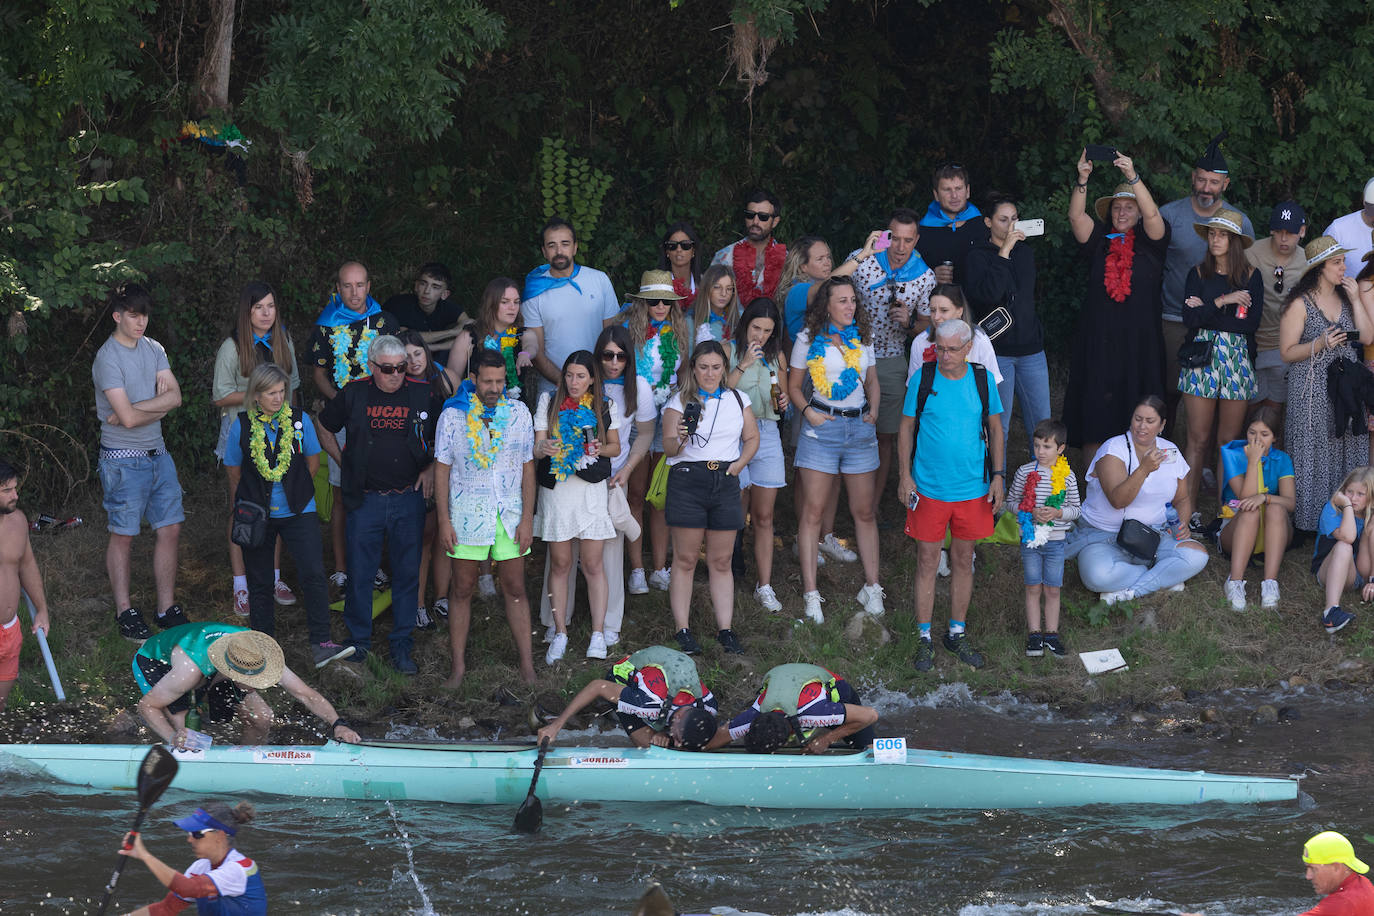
(1258, 496)
(758, 369)
(710, 439)
(1314, 330)
(420, 365)
(839, 437)
(258, 336)
(1118, 350)
(221, 879)
(678, 256)
(575, 435)
(497, 327)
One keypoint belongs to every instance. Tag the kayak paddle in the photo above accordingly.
(44, 650)
(154, 776)
(530, 816)
(1118, 911)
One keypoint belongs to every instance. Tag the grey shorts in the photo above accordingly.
(891, 392)
(335, 472)
(1271, 372)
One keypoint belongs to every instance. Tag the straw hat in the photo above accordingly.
(657, 284)
(1322, 248)
(1104, 203)
(248, 657)
(1226, 219)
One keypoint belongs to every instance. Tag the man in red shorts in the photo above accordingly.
(18, 569)
(950, 452)
(1337, 876)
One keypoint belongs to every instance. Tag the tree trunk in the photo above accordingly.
(1076, 20)
(212, 79)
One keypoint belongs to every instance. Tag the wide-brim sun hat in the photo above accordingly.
(248, 657)
(1103, 204)
(1227, 220)
(1322, 248)
(1328, 847)
(657, 284)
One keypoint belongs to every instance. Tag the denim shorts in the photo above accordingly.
(1043, 565)
(222, 444)
(141, 488)
(841, 445)
(702, 497)
(768, 468)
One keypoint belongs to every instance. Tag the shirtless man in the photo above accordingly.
(18, 569)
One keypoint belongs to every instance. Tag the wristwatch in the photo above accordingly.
(999, 473)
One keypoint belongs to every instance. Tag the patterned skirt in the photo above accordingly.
(1229, 376)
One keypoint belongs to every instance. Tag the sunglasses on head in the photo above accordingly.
(617, 356)
(761, 215)
(1278, 279)
(390, 369)
(200, 834)
(674, 246)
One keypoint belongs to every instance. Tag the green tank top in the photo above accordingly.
(783, 685)
(679, 671)
(194, 639)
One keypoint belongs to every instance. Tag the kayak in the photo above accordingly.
(487, 774)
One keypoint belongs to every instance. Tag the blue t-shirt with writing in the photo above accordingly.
(948, 463)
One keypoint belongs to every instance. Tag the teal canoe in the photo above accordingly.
(492, 774)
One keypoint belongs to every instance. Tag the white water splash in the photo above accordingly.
(428, 909)
(956, 696)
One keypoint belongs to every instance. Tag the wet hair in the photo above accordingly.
(906, 216)
(130, 297)
(436, 271)
(237, 816)
(282, 349)
(762, 196)
(762, 307)
(8, 472)
(437, 378)
(556, 222)
(620, 336)
(1051, 430)
(486, 357)
(698, 728)
(770, 731)
(818, 312)
(265, 376)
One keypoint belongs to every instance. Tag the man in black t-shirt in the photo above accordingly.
(951, 225)
(429, 309)
(387, 474)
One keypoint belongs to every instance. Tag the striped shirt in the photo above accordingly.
(1071, 506)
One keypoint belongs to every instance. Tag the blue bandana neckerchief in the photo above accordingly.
(913, 268)
(462, 398)
(1115, 235)
(538, 281)
(336, 314)
(710, 395)
(614, 381)
(935, 216)
(263, 339)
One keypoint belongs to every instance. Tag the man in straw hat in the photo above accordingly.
(1355, 231)
(1337, 876)
(218, 669)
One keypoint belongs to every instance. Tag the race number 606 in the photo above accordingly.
(889, 750)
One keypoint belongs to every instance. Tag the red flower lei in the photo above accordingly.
(1028, 497)
(1117, 275)
(928, 354)
(684, 289)
(743, 258)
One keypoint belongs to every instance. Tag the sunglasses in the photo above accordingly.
(200, 834)
(674, 246)
(759, 215)
(613, 356)
(386, 369)
(1278, 279)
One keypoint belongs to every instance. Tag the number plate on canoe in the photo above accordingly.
(889, 750)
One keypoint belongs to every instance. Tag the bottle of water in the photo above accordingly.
(1171, 519)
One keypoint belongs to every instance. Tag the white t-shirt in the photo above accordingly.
(834, 365)
(571, 316)
(1351, 232)
(1148, 506)
(644, 413)
(718, 434)
(541, 422)
(981, 353)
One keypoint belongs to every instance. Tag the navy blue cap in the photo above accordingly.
(1288, 216)
(200, 820)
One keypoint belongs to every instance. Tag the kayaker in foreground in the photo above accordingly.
(219, 668)
(1337, 876)
(804, 704)
(221, 881)
(659, 700)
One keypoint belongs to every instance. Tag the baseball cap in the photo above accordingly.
(1288, 216)
(202, 820)
(1330, 846)
(1369, 191)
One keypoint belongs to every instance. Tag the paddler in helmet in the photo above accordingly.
(220, 667)
(659, 699)
(805, 705)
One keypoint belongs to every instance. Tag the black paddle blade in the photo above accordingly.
(155, 774)
(530, 816)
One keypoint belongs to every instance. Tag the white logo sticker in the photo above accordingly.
(283, 755)
(599, 762)
(889, 750)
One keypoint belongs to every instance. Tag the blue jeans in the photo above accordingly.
(1028, 377)
(1043, 565)
(1105, 567)
(399, 520)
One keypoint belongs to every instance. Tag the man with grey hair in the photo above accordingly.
(951, 457)
(387, 474)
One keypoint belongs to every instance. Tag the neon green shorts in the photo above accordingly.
(503, 549)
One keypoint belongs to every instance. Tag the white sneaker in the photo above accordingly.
(339, 580)
(638, 584)
(557, 647)
(832, 548)
(1269, 593)
(597, 647)
(241, 602)
(870, 598)
(1177, 588)
(813, 601)
(943, 569)
(550, 633)
(1235, 593)
(796, 555)
(1110, 598)
(660, 578)
(486, 586)
(768, 598)
(612, 637)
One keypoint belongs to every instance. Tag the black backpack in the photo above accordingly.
(980, 378)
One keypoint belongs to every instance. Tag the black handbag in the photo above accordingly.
(597, 471)
(248, 524)
(1194, 353)
(1139, 540)
(996, 322)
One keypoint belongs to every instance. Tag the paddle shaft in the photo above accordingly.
(119, 866)
(46, 652)
(538, 765)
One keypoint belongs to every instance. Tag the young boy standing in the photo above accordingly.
(1044, 495)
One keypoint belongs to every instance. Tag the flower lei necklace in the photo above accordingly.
(341, 341)
(574, 415)
(484, 439)
(1035, 534)
(851, 352)
(742, 260)
(657, 359)
(257, 443)
(1117, 275)
(508, 343)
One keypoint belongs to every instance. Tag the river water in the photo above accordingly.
(342, 857)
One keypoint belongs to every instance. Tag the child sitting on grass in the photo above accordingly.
(1044, 495)
(1342, 557)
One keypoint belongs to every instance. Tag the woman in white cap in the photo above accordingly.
(1223, 301)
(1315, 329)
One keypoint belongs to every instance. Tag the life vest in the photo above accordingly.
(677, 673)
(783, 686)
